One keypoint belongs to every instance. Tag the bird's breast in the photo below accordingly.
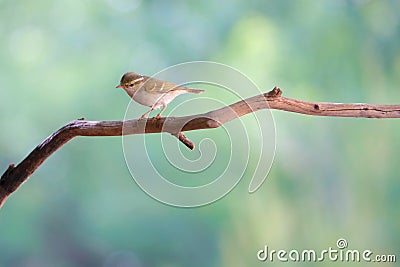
(144, 98)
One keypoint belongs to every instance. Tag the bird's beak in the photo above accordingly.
(118, 86)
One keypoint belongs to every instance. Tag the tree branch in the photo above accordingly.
(14, 176)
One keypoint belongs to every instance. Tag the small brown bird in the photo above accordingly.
(152, 92)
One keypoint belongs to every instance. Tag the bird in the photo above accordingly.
(151, 92)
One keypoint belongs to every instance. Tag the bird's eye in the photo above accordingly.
(132, 84)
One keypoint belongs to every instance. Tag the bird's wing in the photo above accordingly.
(155, 86)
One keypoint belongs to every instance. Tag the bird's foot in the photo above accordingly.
(156, 120)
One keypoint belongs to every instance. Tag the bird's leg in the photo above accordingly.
(144, 116)
(159, 114)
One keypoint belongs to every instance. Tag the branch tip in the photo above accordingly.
(8, 171)
(185, 140)
(276, 92)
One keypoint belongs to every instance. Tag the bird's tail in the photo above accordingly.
(194, 91)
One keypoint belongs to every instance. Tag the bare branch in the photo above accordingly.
(13, 177)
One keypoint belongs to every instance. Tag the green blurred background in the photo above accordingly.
(332, 177)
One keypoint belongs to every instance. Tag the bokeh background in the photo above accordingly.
(332, 177)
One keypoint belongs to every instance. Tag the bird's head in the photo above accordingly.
(129, 80)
